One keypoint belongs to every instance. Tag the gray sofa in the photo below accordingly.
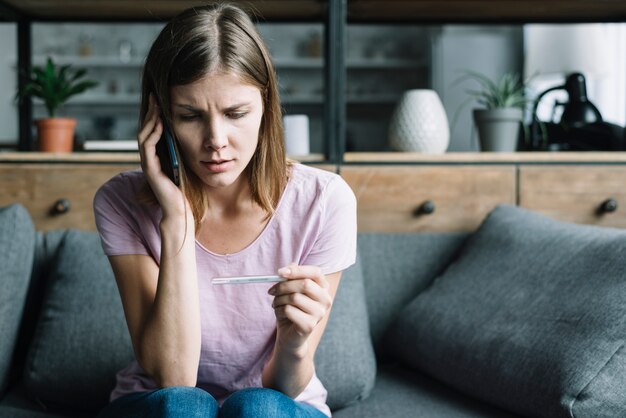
(524, 317)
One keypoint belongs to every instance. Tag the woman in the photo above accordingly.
(241, 209)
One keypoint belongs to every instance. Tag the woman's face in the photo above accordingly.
(216, 120)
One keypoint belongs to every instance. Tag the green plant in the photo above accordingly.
(509, 91)
(54, 84)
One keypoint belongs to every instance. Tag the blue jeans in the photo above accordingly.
(188, 402)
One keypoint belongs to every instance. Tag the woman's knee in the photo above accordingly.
(182, 401)
(259, 402)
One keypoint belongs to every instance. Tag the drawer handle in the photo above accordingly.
(426, 208)
(60, 207)
(608, 206)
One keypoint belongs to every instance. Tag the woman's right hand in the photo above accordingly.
(170, 197)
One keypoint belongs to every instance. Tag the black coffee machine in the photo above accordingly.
(581, 127)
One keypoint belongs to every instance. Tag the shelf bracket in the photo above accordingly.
(25, 107)
(335, 80)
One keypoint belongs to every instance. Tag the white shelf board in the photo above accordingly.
(384, 63)
(373, 98)
(102, 100)
(351, 63)
(110, 145)
(299, 62)
(90, 61)
(302, 99)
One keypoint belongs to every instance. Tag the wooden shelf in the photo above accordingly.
(487, 157)
(450, 11)
(358, 10)
(159, 9)
(72, 157)
(355, 157)
(100, 157)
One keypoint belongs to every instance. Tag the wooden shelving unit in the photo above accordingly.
(335, 15)
(358, 10)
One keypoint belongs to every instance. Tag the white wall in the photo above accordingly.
(490, 50)
(597, 50)
(8, 81)
(610, 91)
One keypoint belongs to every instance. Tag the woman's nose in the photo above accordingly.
(215, 136)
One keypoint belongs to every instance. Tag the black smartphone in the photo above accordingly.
(167, 154)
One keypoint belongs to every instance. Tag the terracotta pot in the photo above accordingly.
(56, 134)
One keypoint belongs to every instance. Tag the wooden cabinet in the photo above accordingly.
(57, 196)
(400, 192)
(428, 198)
(587, 188)
(58, 189)
(582, 194)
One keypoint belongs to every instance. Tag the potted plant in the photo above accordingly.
(55, 85)
(499, 121)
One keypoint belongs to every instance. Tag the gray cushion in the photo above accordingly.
(81, 339)
(401, 393)
(46, 245)
(396, 267)
(530, 317)
(344, 360)
(17, 246)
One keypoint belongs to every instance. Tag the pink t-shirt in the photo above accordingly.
(314, 224)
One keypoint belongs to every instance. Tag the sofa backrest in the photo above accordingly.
(79, 338)
(396, 267)
(391, 269)
(17, 241)
(45, 248)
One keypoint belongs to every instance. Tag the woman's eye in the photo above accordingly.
(188, 117)
(236, 115)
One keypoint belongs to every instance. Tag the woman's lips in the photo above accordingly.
(218, 166)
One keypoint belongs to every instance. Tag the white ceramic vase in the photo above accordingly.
(419, 123)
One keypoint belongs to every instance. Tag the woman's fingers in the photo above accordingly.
(153, 126)
(148, 137)
(304, 324)
(310, 306)
(164, 189)
(294, 271)
(150, 120)
(305, 287)
(303, 299)
(307, 280)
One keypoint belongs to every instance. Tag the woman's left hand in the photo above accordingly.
(300, 303)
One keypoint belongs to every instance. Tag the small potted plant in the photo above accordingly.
(55, 85)
(499, 121)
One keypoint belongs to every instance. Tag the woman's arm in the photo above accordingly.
(161, 301)
(302, 306)
(162, 310)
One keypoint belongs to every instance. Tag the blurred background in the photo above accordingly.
(383, 60)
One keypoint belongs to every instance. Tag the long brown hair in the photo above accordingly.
(201, 40)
